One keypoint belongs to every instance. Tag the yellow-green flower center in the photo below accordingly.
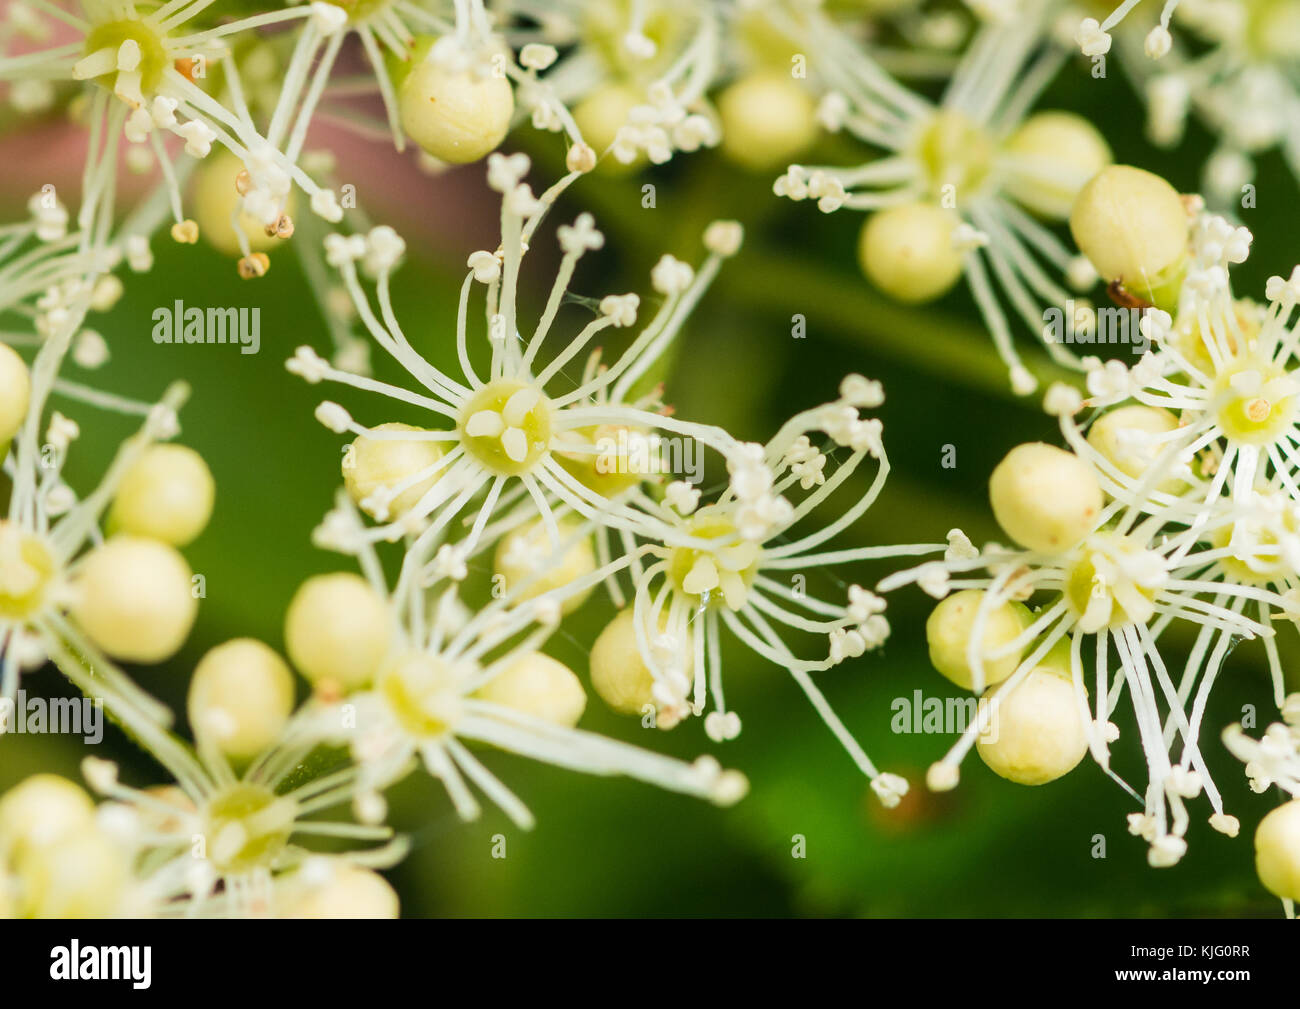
(1112, 581)
(1257, 555)
(246, 827)
(666, 23)
(153, 52)
(423, 694)
(27, 569)
(507, 426)
(1254, 401)
(954, 152)
(719, 575)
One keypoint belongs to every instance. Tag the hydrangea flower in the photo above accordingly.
(220, 844)
(741, 562)
(145, 69)
(1274, 759)
(959, 183)
(1105, 563)
(450, 677)
(1240, 77)
(634, 74)
(63, 588)
(507, 430)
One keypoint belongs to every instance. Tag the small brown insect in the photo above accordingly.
(1125, 298)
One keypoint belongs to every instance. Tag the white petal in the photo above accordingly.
(485, 424)
(519, 405)
(703, 577)
(515, 442)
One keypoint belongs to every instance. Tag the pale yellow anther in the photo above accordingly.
(128, 55)
(515, 442)
(100, 62)
(1246, 381)
(485, 424)
(738, 557)
(734, 590)
(703, 577)
(520, 405)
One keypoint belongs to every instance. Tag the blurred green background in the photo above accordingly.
(610, 847)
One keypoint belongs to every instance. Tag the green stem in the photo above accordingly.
(933, 343)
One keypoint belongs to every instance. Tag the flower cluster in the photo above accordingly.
(961, 187)
(1234, 66)
(529, 463)
(1174, 504)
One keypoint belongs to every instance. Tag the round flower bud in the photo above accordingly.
(538, 685)
(908, 252)
(134, 599)
(240, 697)
(1045, 498)
(338, 630)
(950, 626)
(351, 892)
(525, 553)
(83, 876)
(768, 120)
(215, 199)
(621, 457)
(15, 392)
(601, 115)
(42, 810)
(618, 673)
(165, 495)
(1126, 437)
(1053, 155)
(456, 117)
(1277, 851)
(1133, 228)
(373, 464)
(1037, 733)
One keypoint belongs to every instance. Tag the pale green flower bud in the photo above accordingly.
(351, 892)
(949, 629)
(1277, 851)
(524, 555)
(540, 686)
(456, 117)
(1055, 154)
(1045, 498)
(1126, 438)
(380, 464)
(908, 251)
(1133, 227)
(338, 630)
(15, 392)
(240, 697)
(1038, 732)
(768, 120)
(134, 598)
(167, 495)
